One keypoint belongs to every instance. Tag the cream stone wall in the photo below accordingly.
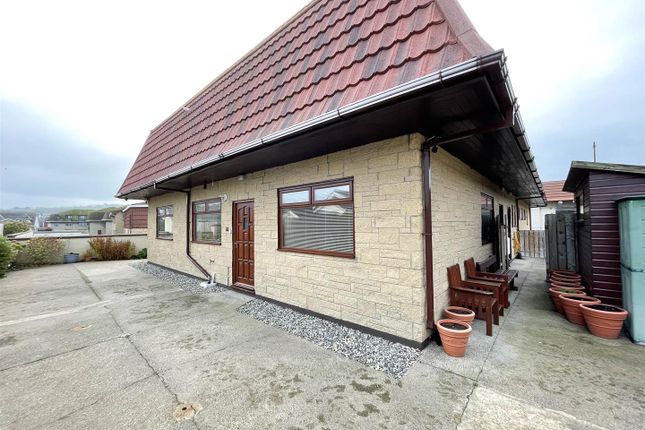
(526, 223)
(382, 288)
(456, 219)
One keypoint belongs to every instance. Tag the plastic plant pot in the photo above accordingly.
(567, 287)
(566, 278)
(564, 272)
(459, 313)
(571, 305)
(560, 283)
(602, 320)
(454, 336)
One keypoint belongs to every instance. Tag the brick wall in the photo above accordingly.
(381, 288)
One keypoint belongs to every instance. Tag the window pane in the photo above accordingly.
(164, 226)
(161, 211)
(291, 197)
(208, 227)
(199, 207)
(213, 206)
(321, 228)
(335, 192)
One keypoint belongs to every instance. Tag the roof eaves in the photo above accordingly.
(419, 84)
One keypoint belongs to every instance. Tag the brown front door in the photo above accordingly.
(243, 245)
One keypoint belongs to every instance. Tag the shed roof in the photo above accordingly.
(553, 192)
(579, 170)
(331, 54)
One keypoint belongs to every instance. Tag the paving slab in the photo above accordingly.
(43, 290)
(44, 391)
(35, 340)
(488, 409)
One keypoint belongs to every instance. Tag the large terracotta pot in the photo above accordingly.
(560, 283)
(454, 336)
(555, 297)
(567, 287)
(566, 279)
(571, 305)
(563, 272)
(459, 313)
(603, 320)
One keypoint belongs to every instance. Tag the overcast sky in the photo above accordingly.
(82, 83)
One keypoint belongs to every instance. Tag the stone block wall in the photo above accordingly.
(381, 288)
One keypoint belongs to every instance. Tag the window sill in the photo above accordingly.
(203, 242)
(164, 238)
(318, 253)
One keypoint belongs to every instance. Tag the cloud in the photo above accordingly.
(42, 162)
(578, 69)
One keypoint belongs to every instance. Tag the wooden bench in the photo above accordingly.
(474, 274)
(489, 265)
(476, 296)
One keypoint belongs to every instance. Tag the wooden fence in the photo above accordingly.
(532, 243)
(561, 241)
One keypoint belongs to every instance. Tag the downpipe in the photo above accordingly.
(190, 257)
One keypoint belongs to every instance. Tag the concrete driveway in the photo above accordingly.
(104, 346)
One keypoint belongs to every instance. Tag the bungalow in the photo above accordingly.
(556, 201)
(343, 164)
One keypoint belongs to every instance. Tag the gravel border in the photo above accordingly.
(185, 282)
(373, 351)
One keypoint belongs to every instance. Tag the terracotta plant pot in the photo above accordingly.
(555, 297)
(566, 278)
(571, 305)
(454, 336)
(459, 313)
(567, 287)
(604, 320)
(563, 272)
(560, 283)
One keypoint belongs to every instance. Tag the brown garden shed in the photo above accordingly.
(597, 188)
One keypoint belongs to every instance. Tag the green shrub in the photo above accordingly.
(106, 248)
(7, 254)
(13, 227)
(44, 250)
(143, 253)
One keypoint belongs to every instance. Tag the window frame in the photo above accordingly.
(194, 220)
(165, 237)
(311, 202)
(491, 239)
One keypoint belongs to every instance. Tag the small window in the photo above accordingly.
(317, 219)
(164, 222)
(207, 221)
(580, 207)
(488, 218)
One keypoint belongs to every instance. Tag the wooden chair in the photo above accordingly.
(477, 296)
(473, 273)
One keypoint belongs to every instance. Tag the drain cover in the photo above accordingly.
(81, 327)
(187, 411)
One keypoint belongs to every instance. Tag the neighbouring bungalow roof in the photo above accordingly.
(333, 59)
(579, 170)
(553, 192)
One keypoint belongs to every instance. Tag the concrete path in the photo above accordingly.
(104, 346)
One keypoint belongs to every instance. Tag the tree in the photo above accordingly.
(13, 227)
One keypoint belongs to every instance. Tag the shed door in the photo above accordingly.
(243, 252)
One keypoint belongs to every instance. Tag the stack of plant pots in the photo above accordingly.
(569, 298)
(455, 330)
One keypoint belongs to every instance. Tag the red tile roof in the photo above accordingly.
(333, 53)
(553, 192)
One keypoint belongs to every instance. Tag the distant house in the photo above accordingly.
(100, 222)
(135, 218)
(556, 200)
(66, 222)
(344, 164)
(597, 187)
